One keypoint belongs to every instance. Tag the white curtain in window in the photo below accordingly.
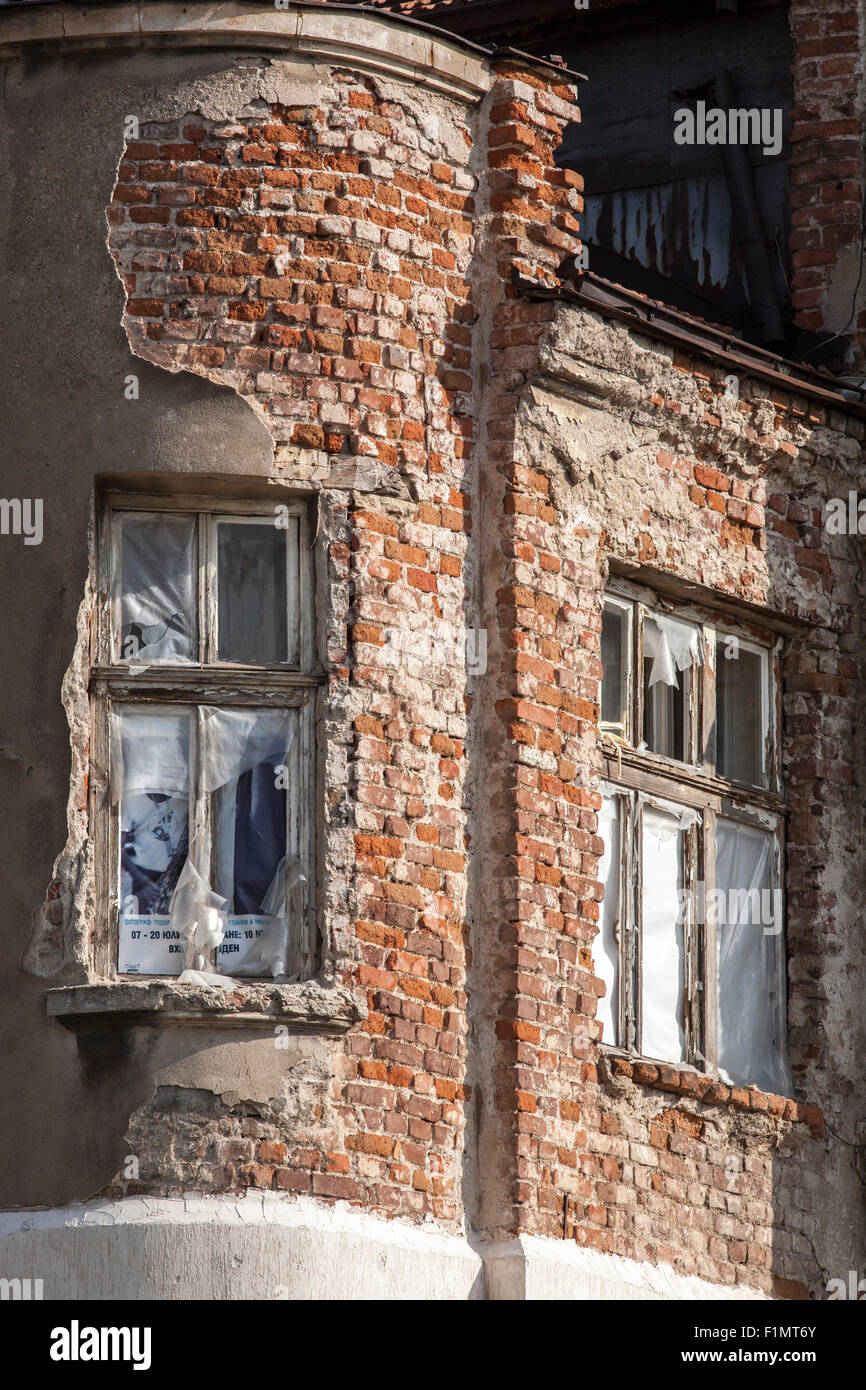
(672, 645)
(606, 951)
(751, 1049)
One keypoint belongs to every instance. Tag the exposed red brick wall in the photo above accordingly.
(325, 263)
(357, 290)
(721, 1182)
(826, 164)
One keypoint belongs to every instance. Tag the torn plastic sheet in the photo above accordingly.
(268, 953)
(684, 817)
(199, 915)
(246, 761)
(155, 588)
(672, 645)
(751, 1046)
(606, 953)
(150, 752)
(234, 741)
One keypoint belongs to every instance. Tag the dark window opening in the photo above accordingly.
(685, 222)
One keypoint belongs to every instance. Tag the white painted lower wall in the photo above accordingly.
(535, 1269)
(273, 1246)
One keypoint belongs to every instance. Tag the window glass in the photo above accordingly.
(663, 937)
(664, 717)
(615, 666)
(155, 588)
(256, 570)
(740, 719)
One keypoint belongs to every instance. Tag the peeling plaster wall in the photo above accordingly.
(639, 456)
(476, 460)
(64, 346)
(295, 243)
(313, 253)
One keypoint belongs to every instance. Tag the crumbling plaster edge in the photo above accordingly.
(575, 379)
(373, 43)
(311, 1005)
(59, 949)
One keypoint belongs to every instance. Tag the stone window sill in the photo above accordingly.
(685, 1081)
(311, 1006)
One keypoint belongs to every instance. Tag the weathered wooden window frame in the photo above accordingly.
(116, 681)
(634, 773)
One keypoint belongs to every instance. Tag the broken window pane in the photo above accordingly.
(662, 937)
(615, 666)
(607, 943)
(672, 649)
(155, 587)
(257, 588)
(150, 778)
(664, 721)
(750, 955)
(740, 720)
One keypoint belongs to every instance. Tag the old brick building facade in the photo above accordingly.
(320, 259)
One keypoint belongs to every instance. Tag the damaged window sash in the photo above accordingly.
(221, 586)
(693, 958)
(616, 647)
(203, 771)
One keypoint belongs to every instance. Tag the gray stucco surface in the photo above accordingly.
(63, 421)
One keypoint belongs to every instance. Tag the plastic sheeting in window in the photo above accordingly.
(672, 645)
(171, 917)
(606, 950)
(663, 935)
(151, 779)
(257, 588)
(751, 1044)
(199, 915)
(270, 952)
(233, 741)
(155, 588)
(247, 762)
